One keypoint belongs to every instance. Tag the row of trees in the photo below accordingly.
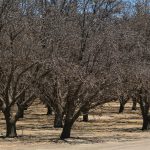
(73, 55)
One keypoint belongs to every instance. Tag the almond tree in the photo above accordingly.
(17, 68)
(79, 59)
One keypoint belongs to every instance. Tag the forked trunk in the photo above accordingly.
(68, 125)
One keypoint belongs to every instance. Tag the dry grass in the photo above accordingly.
(105, 125)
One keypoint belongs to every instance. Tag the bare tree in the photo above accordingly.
(17, 70)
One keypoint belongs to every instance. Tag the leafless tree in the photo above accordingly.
(17, 70)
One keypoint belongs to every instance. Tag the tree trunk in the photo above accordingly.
(66, 130)
(146, 117)
(49, 110)
(20, 112)
(134, 103)
(11, 129)
(85, 116)
(10, 124)
(58, 122)
(68, 124)
(122, 101)
(121, 109)
(146, 123)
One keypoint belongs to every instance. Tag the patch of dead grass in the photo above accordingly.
(104, 126)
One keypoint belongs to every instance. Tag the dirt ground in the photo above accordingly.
(136, 145)
(106, 130)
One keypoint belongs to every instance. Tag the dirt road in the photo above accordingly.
(136, 145)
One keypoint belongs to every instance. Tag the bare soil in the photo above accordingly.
(106, 129)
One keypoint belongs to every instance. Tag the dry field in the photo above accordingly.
(105, 126)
